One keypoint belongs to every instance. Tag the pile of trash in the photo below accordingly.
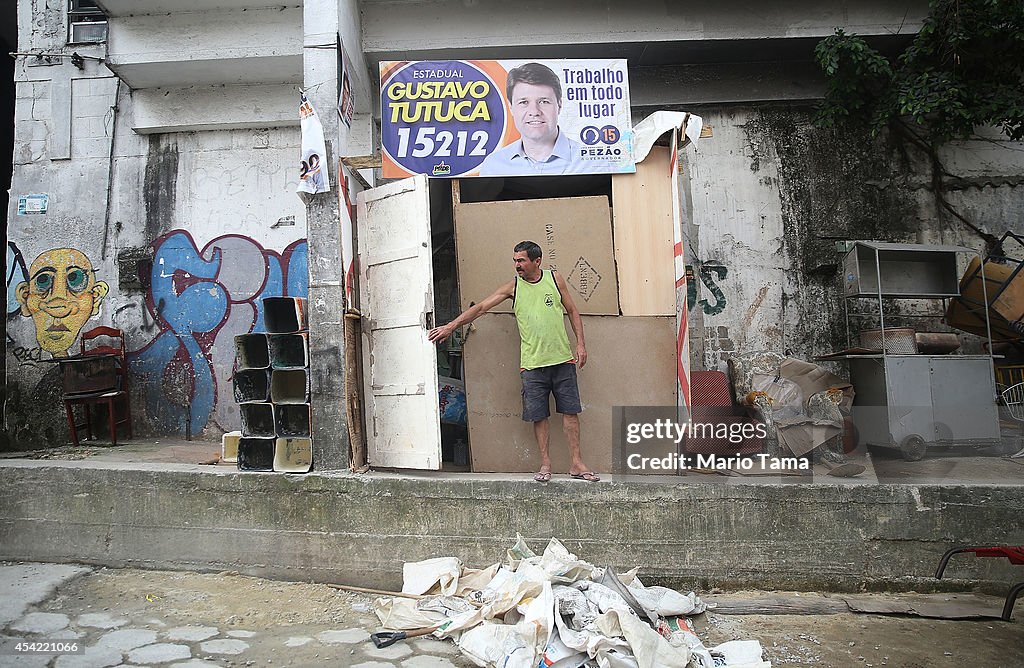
(558, 611)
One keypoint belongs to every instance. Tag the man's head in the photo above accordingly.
(526, 256)
(61, 294)
(535, 95)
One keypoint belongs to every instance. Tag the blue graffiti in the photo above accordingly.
(16, 273)
(192, 296)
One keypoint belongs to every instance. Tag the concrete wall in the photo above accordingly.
(180, 235)
(208, 48)
(771, 195)
(360, 529)
(452, 24)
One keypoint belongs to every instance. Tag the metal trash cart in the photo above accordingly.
(903, 399)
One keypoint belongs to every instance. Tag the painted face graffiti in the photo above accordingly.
(60, 295)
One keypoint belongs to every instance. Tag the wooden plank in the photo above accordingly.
(644, 243)
(573, 232)
(640, 375)
(776, 604)
(934, 606)
(362, 161)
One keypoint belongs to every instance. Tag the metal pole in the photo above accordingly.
(881, 311)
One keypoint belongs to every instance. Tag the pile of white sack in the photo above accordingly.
(558, 611)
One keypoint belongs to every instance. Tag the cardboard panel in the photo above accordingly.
(631, 361)
(574, 232)
(968, 314)
(642, 205)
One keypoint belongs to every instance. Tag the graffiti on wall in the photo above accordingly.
(60, 293)
(201, 299)
(17, 273)
(709, 275)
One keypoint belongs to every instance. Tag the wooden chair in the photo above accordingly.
(115, 392)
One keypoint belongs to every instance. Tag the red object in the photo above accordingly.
(711, 405)
(710, 393)
(1014, 553)
(112, 397)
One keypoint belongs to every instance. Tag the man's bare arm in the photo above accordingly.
(574, 319)
(506, 291)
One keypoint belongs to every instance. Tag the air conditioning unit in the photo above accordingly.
(88, 32)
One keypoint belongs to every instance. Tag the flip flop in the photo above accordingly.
(589, 476)
(542, 476)
(847, 470)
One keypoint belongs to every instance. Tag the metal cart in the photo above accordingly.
(915, 401)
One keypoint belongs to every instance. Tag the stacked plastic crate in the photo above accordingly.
(271, 386)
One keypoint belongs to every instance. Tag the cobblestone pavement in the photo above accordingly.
(190, 620)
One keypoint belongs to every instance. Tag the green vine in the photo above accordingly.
(963, 70)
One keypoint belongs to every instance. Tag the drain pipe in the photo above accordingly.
(353, 394)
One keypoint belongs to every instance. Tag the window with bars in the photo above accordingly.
(87, 23)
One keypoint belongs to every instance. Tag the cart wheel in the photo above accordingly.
(913, 448)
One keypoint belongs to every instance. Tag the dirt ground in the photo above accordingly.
(873, 640)
(274, 616)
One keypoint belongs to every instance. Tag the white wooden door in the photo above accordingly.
(396, 289)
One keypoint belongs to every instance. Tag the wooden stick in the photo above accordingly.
(353, 387)
(367, 590)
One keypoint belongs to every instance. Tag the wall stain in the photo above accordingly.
(754, 306)
(833, 185)
(160, 185)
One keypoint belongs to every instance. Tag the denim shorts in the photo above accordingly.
(559, 380)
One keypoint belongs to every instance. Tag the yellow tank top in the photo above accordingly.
(539, 314)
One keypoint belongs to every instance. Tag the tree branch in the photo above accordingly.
(938, 187)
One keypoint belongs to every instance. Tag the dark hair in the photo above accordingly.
(536, 75)
(531, 249)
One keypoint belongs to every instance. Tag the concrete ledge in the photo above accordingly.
(359, 529)
(213, 108)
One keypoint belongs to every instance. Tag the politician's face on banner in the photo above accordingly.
(535, 110)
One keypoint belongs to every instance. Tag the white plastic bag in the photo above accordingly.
(562, 566)
(514, 646)
(787, 398)
(420, 577)
(649, 648)
(559, 655)
(473, 579)
(665, 602)
(401, 614)
(604, 598)
(491, 644)
(678, 632)
(742, 654)
(518, 552)
(571, 604)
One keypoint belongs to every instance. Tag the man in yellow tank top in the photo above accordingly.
(548, 363)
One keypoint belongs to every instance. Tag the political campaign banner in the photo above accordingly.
(467, 118)
(313, 176)
(346, 96)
